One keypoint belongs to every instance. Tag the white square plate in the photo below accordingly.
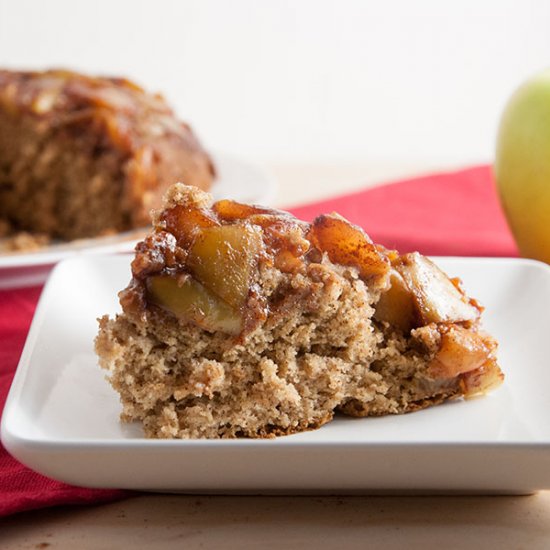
(61, 417)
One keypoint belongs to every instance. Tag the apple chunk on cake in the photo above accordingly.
(242, 321)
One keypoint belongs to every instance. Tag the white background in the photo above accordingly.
(304, 81)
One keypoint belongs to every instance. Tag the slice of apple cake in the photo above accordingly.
(242, 321)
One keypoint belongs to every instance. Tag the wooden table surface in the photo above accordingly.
(166, 521)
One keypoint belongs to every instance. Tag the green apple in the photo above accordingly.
(522, 166)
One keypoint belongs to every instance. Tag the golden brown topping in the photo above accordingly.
(214, 254)
(41, 93)
(229, 210)
(155, 253)
(185, 196)
(224, 259)
(438, 300)
(102, 95)
(397, 306)
(132, 299)
(282, 233)
(461, 350)
(348, 244)
(189, 300)
(186, 221)
(45, 100)
(285, 239)
(459, 354)
(483, 379)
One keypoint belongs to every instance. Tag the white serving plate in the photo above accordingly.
(236, 179)
(61, 416)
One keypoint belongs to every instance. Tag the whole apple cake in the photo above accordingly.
(83, 156)
(242, 321)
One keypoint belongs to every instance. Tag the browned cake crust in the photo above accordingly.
(82, 156)
(243, 321)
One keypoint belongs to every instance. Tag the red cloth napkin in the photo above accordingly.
(448, 214)
(21, 488)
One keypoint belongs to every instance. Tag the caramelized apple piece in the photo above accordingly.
(461, 350)
(223, 259)
(483, 379)
(437, 298)
(189, 300)
(229, 210)
(186, 221)
(396, 306)
(278, 226)
(348, 244)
